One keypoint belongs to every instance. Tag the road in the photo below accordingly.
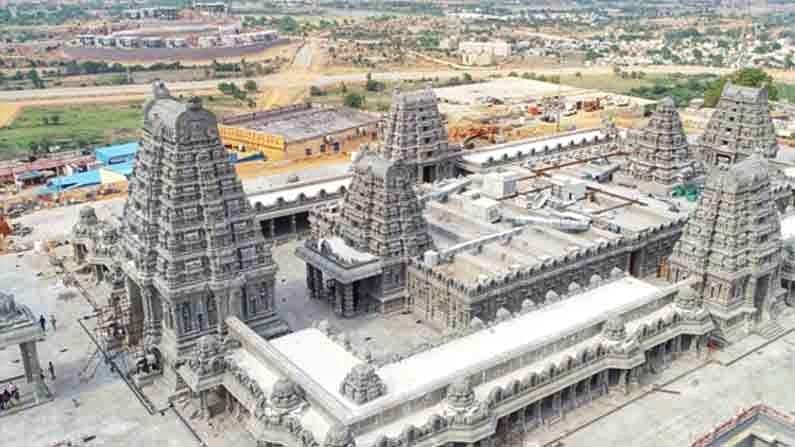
(279, 80)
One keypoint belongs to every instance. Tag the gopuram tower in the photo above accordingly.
(732, 243)
(192, 251)
(739, 126)
(415, 133)
(659, 157)
(357, 256)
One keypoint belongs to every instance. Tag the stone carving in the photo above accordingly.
(415, 134)
(209, 355)
(362, 384)
(339, 436)
(460, 395)
(8, 308)
(740, 124)
(285, 395)
(658, 151)
(614, 329)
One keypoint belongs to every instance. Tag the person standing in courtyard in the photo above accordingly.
(52, 322)
(43, 323)
(52, 371)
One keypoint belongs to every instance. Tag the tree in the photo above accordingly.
(353, 100)
(467, 78)
(374, 86)
(45, 120)
(55, 119)
(315, 91)
(250, 86)
(697, 53)
(746, 77)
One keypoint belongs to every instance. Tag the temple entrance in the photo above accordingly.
(429, 174)
(760, 295)
(662, 270)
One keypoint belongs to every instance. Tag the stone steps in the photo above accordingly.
(770, 329)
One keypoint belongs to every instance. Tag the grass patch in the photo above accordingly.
(606, 83)
(76, 127)
(786, 92)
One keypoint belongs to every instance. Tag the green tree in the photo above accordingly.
(746, 77)
(55, 119)
(467, 78)
(250, 86)
(354, 100)
(315, 91)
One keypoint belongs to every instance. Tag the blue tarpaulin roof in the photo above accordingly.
(116, 154)
(67, 182)
(124, 169)
(30, 175)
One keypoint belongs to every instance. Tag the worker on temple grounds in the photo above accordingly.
(52, 322)
(52, 371)
(43, 323)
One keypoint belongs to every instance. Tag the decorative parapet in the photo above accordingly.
(460, 396)
(362, 384)
(12, 314)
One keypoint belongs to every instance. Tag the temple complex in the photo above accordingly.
(546, 283)
(739, 126)
(659, 156)
(193, 252)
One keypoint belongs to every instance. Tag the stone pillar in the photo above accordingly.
(587, 389)
(634, 378)
(677, 345)
(30, 361)
(272, 226)
(293, 225)
(204, 412)
(310, 280)
(557, 404)
(348, 309)
(604, 382)
(622, 381)
(320, 292)
(338, 298)
(538, 415)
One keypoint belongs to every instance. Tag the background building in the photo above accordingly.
(299, 131)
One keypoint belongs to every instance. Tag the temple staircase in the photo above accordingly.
(770, 329)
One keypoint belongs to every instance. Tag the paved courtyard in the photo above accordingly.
(89, 400)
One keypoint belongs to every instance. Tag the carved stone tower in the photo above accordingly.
(380, 214)
(193, 253)
(660, 157)
(415, 133)
(357, 256)
(732, 243)
(740, 125)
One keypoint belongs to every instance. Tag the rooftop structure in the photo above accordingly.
(415, 134)
(732, 245)
(496, 250)
(192, 252)
(659, 157)
(298, 131)
(739, 126)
